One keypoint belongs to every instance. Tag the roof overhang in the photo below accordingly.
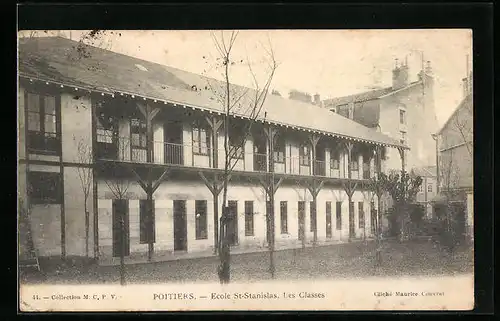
(114, 92)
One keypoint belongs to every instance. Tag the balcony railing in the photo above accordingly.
(260, 162)
(193, 156)
(319, 168)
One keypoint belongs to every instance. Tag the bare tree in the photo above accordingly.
(235, 101)
(84, 157)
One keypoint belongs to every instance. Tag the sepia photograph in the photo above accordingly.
(198, 170)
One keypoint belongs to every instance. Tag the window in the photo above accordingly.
(249, 218)
(146, 221)
(402, 116)
(403, 137)
(284, 217)
(338, 214)
(361, 215)
(335, 159)
(305, 155)
(201, 141)
(43, 135)
(201, 220)
(138, 142)
(279, 150)
(107, 134)
(429, 188)
(329, 219)
(421, 188)
(45, 187)
(354, 163)
(312, 216)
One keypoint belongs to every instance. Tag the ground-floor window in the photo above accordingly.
(201, 219)
(361, 215)
(329, 219)
(284, 217)
(249, 230)
(45, 187)
(338, 214)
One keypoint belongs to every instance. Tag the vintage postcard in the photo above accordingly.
(245, 170)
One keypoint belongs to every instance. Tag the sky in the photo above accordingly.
(331, 63)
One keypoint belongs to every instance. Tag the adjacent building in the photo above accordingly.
(428, 189)
(404, 111)
(121, 155)
(456, 168)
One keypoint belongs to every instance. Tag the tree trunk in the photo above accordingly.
(122, 249)
(379, 232)
(87, 227)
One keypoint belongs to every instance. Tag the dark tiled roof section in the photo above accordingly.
(360, 97)
(425, 171)
(58, 59)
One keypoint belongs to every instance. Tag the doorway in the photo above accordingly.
(232, 226)
(121, 228)
(180, 226)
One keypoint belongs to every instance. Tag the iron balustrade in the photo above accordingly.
(120, 149)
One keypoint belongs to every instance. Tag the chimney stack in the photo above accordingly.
(317, 99)
(400, 75)
(300, 96)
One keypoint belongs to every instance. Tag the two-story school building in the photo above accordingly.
(102, 133)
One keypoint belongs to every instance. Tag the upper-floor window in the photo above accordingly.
(138, 142)
(43, 132)
(305, 155)
(354, 161)
(402, 116)
(429, 188)
(201, 141)
(335, 159)
(421, 188)
(279, 149)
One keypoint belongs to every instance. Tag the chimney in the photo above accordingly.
(317, 99)
(300, 96)
(467, 85)
(400, 75)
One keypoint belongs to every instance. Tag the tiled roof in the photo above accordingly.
(56, 59)
(364, 96)
(359, 97)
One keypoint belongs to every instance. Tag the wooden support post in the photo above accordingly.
(314, 188)
(215, 124)
(349, 190)
(313, 140)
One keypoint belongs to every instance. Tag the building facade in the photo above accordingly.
(119, 155)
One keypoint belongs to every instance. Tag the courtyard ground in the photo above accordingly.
(350, 260)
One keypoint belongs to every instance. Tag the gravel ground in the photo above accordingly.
(351, 260)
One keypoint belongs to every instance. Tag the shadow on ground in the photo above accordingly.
(342, 261)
